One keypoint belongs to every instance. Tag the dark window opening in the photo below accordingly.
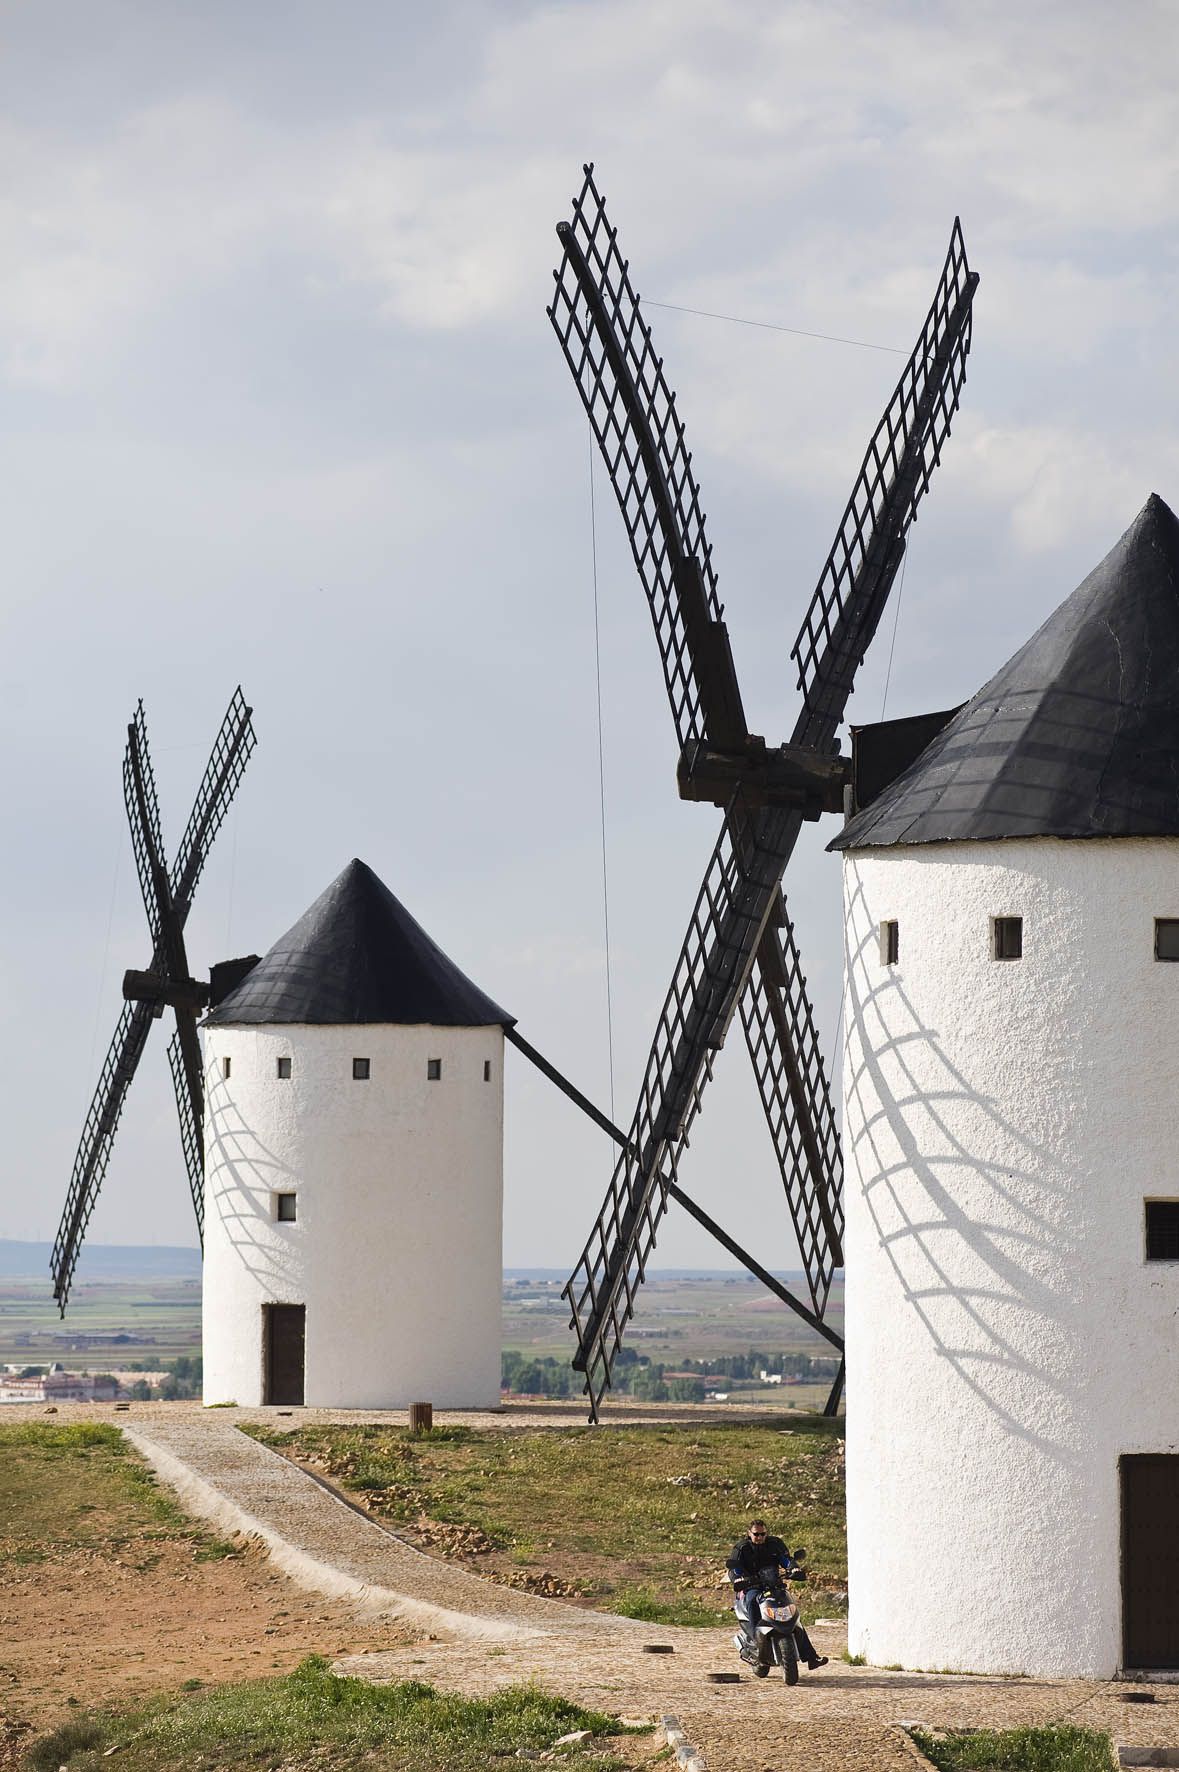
(1162, 1230)
(360, 1070)
(487, 1070)
(284, 1208)
(1166, 938)
(283, 1067)
(1007, 938)
(433, 1070)
(226, 1066)
(890, 943)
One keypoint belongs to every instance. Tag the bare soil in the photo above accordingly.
(107, 1594)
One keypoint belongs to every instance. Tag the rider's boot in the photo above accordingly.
(806, 1650)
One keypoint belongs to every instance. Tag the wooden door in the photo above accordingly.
(1150, 1560)
(284, 1332)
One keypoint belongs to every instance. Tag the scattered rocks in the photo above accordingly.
(542, 1581)
(451, 1540)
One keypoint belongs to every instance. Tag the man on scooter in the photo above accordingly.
(756, 1553)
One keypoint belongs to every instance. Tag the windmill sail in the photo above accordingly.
(167, 900)
(733, 952)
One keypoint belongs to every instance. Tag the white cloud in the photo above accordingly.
(1053, 485)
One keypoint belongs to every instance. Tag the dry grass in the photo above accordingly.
(634, 1519)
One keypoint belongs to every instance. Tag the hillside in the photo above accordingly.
(102, 1261)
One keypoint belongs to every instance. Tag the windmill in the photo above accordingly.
(739, 952)
(167, 899)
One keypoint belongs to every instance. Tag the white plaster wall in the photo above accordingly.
(397, 1250)
(1006, 1340)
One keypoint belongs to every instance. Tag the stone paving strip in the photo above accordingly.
(238, 1485)
(476, 1636)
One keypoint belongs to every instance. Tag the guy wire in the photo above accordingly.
(601, 776)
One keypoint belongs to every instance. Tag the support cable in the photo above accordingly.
(827, 338)
(232, 882)
(896, 622)
(601, 776)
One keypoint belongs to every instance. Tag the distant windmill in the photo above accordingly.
(167, 899)
(739, 950)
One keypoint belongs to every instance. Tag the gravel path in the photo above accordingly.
(476, 1636)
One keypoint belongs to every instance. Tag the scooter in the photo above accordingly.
(776, 1610)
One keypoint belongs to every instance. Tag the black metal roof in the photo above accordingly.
(357, 956)
(1077, 735)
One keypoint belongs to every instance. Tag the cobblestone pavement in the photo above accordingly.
(476, 1636)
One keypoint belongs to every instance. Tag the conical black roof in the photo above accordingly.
(357, 956)
(1077, 736)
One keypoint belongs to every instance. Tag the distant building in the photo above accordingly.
(56, 1386)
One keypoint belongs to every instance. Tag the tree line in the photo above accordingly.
(654, 1381)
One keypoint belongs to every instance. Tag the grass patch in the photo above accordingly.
(645, 1603)
(1059, 1748)
(621, 1517)
(68, 1486)
(316, 1715)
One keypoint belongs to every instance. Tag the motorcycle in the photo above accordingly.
(774, 1641)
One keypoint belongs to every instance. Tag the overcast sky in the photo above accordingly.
(281, 406)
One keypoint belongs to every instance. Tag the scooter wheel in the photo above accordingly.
(790, 1664)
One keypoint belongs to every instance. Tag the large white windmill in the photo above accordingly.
(1011, 1154)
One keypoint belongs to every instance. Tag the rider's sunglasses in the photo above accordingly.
(757, 1535)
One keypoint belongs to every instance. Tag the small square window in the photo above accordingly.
(226, 1066)
(1162, 1230)
(1166, 938)
(433, 1070)
(890, 943)
(487, 1070)
(284, 1208)
(283, 1067)
(360, 1070)
(1007, 938)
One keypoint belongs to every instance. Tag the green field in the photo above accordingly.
(677, 1316)
(110, 1323)
(683, 1319)
(121, 1323)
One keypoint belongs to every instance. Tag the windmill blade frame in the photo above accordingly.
(94, 1147)
(727, 933)
(596, 316)
(191, 1129)
(737, 894)
(167, 901)
(904, 449)
(143, 818)
(791, 1078)
(232, 749)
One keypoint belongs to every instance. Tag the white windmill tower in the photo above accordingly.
(354, 1168)
(1012, 1157)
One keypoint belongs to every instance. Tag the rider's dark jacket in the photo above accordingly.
(749, 1559)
